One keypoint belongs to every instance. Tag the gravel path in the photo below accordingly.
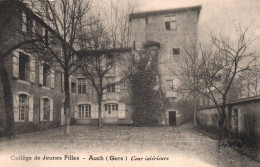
(133, 146)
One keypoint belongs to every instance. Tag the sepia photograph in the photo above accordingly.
(129, 83)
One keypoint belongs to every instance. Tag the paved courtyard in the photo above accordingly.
(119, 146)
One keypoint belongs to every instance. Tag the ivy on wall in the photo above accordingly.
(143, 80)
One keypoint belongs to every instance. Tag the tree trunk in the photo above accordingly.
(8, 99)
(220, 126)
(194, 111)
(67, 103)
(99, 110)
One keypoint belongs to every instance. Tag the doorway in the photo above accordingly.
(235, 121)
(172, 118)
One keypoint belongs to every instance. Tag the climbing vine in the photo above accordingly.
(144, 80)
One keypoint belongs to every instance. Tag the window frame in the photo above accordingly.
(24, 106)
(24, 73)
(84, 111)
(171, 22)
(109, 107)
(46, 113)
(82, 86)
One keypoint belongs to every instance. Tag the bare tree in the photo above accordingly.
(116, 15)
(212, 73)
(66, 18)
(104, 71)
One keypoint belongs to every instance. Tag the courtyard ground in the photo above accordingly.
(119, 146)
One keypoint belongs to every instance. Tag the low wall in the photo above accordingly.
(243, 117)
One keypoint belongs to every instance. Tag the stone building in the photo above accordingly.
(116, 102)
(172, 29)
(36, 87)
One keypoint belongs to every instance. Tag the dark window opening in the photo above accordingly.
(46, 38)
(24, 68)
(46, 109)
(73, 87)
(29, 25)
(175, 51)
(46, 74)
(167, 25)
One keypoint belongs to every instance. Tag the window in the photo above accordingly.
(46, 109)
(84, 111)
(170, 23)
(24, 68)
(175, 51)
(46, 75)
(23, 107)
(81, 86)
(169, 85)
(46, 37)
(111, 86)
(73, 87)
(111, 107)
(27, 24)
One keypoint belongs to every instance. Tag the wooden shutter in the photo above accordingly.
(52, 77)
(121, 111)
(24, 22)
(117, 87)
(32, 70)
(76, 112)
(94, 111)
(62, 82)
(104, 94)
(51, 109)
(34, 28)
(41, 109)
(16, 108)
(30, 119)
(16, 64)
(40, 73)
